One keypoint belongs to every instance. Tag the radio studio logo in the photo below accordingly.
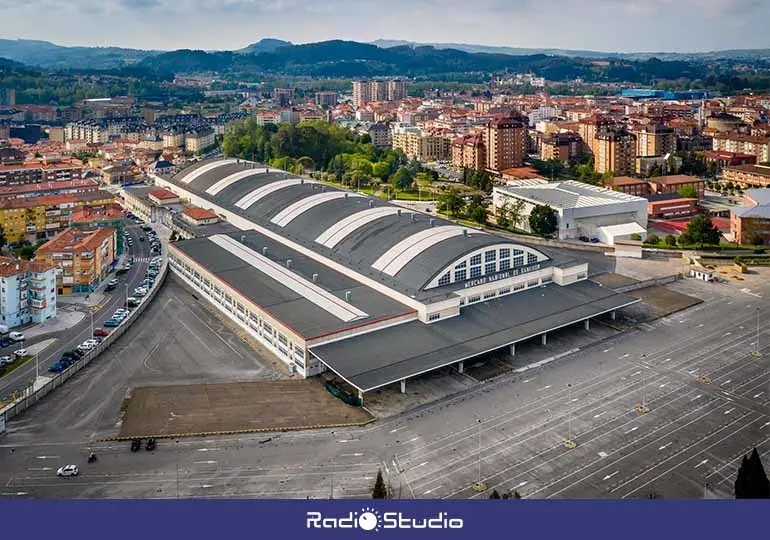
(371, 519)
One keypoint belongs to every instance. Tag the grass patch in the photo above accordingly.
(5, 370)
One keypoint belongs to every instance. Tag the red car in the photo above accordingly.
(101, 332)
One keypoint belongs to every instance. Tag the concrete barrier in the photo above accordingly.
(31, 396)
(649, 283)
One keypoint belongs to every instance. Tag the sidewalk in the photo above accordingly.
(64, 320)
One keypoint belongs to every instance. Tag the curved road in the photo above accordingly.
(70, 338)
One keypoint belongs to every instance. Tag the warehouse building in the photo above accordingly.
(333, 280)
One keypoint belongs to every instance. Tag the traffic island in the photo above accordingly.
(230, 408)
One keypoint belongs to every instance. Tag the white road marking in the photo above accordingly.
(397, 429)
(607, 350)
(663, 385)
(574, 400)
(544, 388)
(602, 454)
(395, 466)
(39, 468)
(665, 446)
(47, 457)
(208, 462)
(357, 454)
(624, 356)
(525, 381)
(757, 395)
(637, 373)
(411, 440)
(347, 440)
(728, 333)
(666, 360)
(610, 475)
(520, 484)
(764, 425)
(598, 415)
(700, 325)
(728, 381)
(697, 397)
(728, 411)
(203, 449)
(431, 490)
(701, 463)
(420, 465)
(18, 493)
(725, 393)
(207, 486)
(632, 430)
(387, 470)
(692, 371)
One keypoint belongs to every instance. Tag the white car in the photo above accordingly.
(16, 336)
(67, 470)
(122, 311)
(140, 291)
(93, 341)
(20, 353)
(86, 346)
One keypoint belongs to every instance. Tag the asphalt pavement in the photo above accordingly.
(707, 395)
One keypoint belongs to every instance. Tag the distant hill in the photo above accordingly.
(48, 55)
(265, 45)
(736, 54)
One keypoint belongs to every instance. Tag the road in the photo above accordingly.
(72, 337)
(708, 400)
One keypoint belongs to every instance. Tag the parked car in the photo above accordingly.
(140, 291)
(16, 336)
(4, 342)
(86, 346)
(56, 368)
(112, 323)
(101, 332)
(67, 470)
(594, 240)
(5, 360)
(150, 445)
(583, 239)
(20, 353)
(132, 301)
(123, 311)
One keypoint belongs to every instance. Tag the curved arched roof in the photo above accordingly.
(406, 249)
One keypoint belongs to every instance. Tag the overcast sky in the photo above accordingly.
(607, 25)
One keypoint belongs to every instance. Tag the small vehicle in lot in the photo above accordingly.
(20, 353)
(594, 240)
(74, 354)
(146, 228)
(150, 445)
(86, 346)
(5, 360)
(583, 239)
(67, 470)
(112, 323)
(16, 336)
(140, 291)
(122, 311)
(4, 342)
(141, 238)
(132, 301)
(56, 368)
(101, 332)
(136, 445)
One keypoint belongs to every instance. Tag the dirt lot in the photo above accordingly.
(664, 301)
(228, 407)
(613, 280)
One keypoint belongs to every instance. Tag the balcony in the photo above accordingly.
(38, 303)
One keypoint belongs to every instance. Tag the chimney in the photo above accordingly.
(465, 233)
(315, 278)
(432, 222)
(371, 204)
(347, 296)
(412, 216)
(288, 263)
(264, 251)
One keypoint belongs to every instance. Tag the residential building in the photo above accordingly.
(694, 143)
(396, 90)
(173, 138)
(563, 146)
(421, 145)
(469, 152)
(750, 223)
(381, 135)
(377, 90)
(108, 216)
(654, 140)
(117, 174)
(645, 166)
(199, 216)
(675, 183)
(747, 175)
(615, 152)
(626, 184)
(589, 127)
(37, 218)
(40, 170)
(150, 203)
(283, 97)
(28, 292)
(670, 205)
(197, 140)
(505, 140)
(582, 209)
(8, 96)
(326, 99)
(744, 144)
(82, 258)
(730, 159)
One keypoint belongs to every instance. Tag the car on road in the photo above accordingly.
(20, 353)
(16, 336)
(4, 342)
(140, 291)
(123, 311)
(67, 470)
(86, 346)
(132, 301)
(112, 323)
(101, 332)
(93, 341)
(6, 360)
(141, 238)
(56, 368)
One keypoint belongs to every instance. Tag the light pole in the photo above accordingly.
(479, 486)
(643, 408)
(569, 443)
(126, 306)
(756, 348)
(91, 312)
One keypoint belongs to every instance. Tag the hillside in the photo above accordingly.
(48, 55)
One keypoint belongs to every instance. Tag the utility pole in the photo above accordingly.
(331, 493)
(479, 479)
(479, 486)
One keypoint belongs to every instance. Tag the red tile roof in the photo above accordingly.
(199, 213)
(163, 193)
(76, 240)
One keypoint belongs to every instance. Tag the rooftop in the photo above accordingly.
(565, 194)
(10, 266)
(6, 191)
(199, 213)
(162, 193)
(75, 240)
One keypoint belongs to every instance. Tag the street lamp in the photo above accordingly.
(756, 352)
(643, 408)
(479, 486)
(569, 443)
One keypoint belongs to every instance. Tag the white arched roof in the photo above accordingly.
(293, 211)
(259, 193)
(345, 227)
(200, 171)
(227, 181)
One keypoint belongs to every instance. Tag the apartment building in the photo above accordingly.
(37, 218)
(750, 222)
(377, 90)
(615, 152)
(27, 292)
(381, 135)
(469, 152)
(562, 146)
(326, 99)
(743, 144)
(589, 127)
(197, 140)
(82, 258)
(40, 170)
(747, 175)
(84, 185)
(505, 140)
(654, 140)
(282, 97)
(421, 145)
(89, 218)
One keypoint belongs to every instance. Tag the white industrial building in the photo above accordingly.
(583, 210)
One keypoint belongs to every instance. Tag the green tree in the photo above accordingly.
(688, 192)
(381, 170)
(27, 252)
(670, 240)
(3, 240)
(516, 213)
(478, 213)
(653, 239)
(543, 220)
(403, 179)
(752, 482)
(701, 231)
(451, 203)
(636, 236)
(379, 491)
(494, 495)
(503, 217)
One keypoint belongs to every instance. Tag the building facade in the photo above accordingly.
(562, 146)
(505, 140)
(38, 171)
(615, 152)
(743, 144)
(469, 152)
(421, 145)
(747, 175)
(82, 258)
(326, 99)
(750, 223)
(102, 217)
(28, 292)
(654, 140)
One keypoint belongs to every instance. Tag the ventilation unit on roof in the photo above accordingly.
(371, 204)
(288, 263)
(315, 278)
(347, 296)
(432, 222)
(465, 233)
(264, 251)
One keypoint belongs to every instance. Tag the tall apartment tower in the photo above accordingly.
(588, 129)
(362, 93)
(655, 140)
(396, 90)
(615, 152)
(505, 140)
(326, 99)
(8, 96)
(282, 97)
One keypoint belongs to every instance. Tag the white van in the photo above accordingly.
(16, 336)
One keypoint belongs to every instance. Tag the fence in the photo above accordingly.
(32, 396)
(648, 283)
